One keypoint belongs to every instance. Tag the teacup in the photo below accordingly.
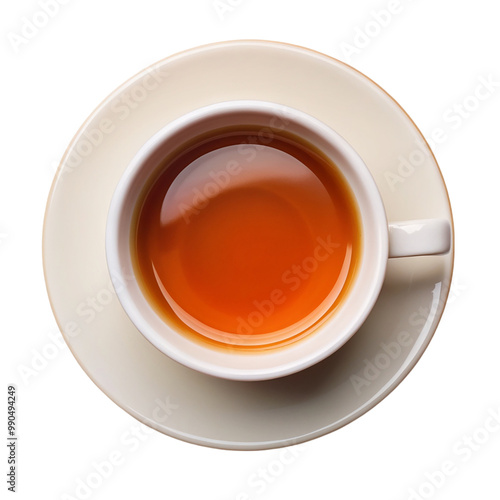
(253, 240)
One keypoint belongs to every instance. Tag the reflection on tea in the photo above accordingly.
(246, 242)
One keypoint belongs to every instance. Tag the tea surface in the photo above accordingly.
(246, 243)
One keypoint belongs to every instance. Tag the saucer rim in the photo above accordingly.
(245, 445)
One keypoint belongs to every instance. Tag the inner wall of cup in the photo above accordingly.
(330, 334)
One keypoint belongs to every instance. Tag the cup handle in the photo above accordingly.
(419, 237)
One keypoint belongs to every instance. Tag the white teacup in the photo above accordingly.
(381, 240)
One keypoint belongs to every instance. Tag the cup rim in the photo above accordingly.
(143, 315)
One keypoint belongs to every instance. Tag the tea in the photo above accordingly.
(246, 240)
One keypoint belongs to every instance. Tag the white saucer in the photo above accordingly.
(181, 402)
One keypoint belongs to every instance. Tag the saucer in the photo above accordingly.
(181, 402)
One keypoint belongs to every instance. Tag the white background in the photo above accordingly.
(430, 56)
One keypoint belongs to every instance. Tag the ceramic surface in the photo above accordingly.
(181, 402)
(330, 328)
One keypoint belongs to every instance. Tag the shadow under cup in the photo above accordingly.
(249, 228)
